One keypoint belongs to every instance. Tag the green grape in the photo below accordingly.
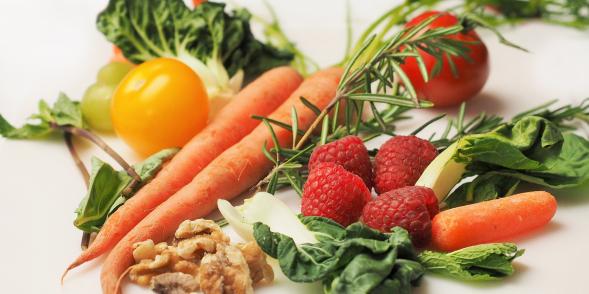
(113, 73)
(96, 106)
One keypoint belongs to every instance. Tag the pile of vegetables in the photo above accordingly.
(180, 84)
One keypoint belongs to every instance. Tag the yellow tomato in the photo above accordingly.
(161, 103)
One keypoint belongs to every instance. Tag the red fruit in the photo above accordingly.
(333, 192)
(445, 88)
(404, 207)
(401, 161)
(425, 194)
(348, 152)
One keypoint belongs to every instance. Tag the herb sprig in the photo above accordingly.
(372, 78)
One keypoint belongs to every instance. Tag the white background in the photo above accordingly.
(52, 46)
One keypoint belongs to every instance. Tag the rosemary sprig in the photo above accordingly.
(373, 78)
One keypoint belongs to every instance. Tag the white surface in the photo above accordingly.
(48, 46)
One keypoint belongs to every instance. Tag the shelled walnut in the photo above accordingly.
(200, 257)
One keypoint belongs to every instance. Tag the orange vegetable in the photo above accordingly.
(197, 2)
(117, 55)
(260, 97)
(233, 172)
(492, 221)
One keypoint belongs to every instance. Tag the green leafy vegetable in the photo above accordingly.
(64, 112)
(216, 44)
(109, 189)
(355, 259)
(476, 263)
(532, 150)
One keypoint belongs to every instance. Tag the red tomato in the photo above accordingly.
(446, 89)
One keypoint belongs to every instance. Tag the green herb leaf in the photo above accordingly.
(485, 262)
(28, 131)
(64, 112)
(107, 186)
(355, 259)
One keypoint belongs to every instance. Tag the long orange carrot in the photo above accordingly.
(234, 122)
(230, 174)
(491, 221)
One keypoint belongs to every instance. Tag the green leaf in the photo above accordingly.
(65, 112)
(483, 188)
(214, 43)
(532, 150)
(485, 262)
(148, 168)
(28, 131)
(356, 259)
(106, 187)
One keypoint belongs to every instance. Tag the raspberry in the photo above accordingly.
(401, 161)
(425, 194)
(348, 152)
(409, 207)
(333, 192)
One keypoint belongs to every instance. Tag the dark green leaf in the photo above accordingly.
(356, 259)
(216, 44)
(106, 187)
(485, 187)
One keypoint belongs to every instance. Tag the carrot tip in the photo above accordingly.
(120, 280)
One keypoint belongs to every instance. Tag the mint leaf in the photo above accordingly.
(106, 185)
(66, 112)
(28, 131)
(105, 192)
(484, 262)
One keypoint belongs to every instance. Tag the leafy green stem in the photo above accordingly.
(85, 176)
(76, 157)
(102, 145)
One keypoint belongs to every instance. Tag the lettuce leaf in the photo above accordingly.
(217, 45)
(355, 259)
(532, 150)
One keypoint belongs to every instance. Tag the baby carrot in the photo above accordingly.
(491, 221)
(234, 122)
(233, 172)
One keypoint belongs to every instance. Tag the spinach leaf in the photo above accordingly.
(64, 112)
(485, 187)
(476, 263)
(215, 44)
(532, 150)
(107, 189)
(355, 259)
